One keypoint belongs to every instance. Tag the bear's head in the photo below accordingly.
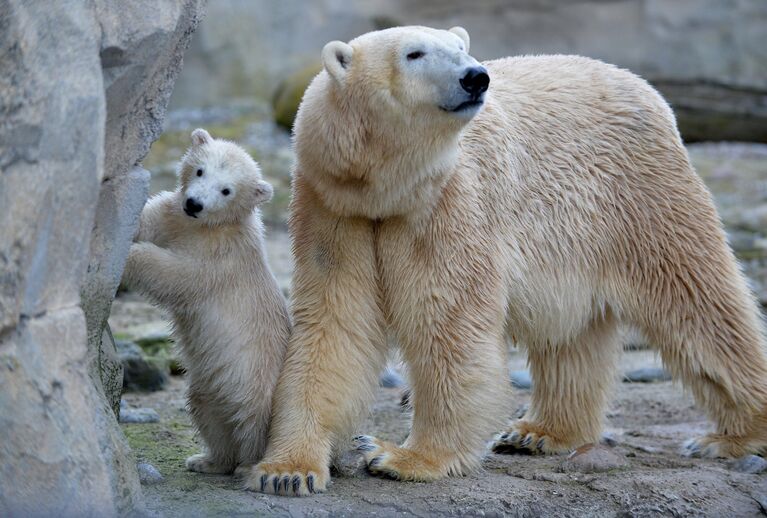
(219, 182)
(410, 74)
(384, 117)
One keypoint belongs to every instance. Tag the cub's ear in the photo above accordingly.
(264, 192)
(461, 33)
(337, 57)
(200, 137)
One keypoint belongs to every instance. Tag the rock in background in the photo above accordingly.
(83, 90)
(707, 57)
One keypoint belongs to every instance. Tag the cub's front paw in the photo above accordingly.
(524, 437)
(287, 478)
(202, 463)
(389, 460)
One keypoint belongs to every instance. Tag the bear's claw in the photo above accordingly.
(310, 483)
(286, 479)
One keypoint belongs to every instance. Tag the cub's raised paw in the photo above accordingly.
(389, 460)
(289, 479)
(202, 463)
(526, 438)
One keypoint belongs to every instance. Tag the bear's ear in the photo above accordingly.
(461, 33)
(264, 192)
(337, 57)
(200, 137)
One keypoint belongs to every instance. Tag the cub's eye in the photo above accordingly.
(225, 192)
(416, 55)
(199, 172)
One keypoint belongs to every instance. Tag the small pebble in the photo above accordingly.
(753, 464)
(592, 458)
(646, 375)
(609, 440)
(138, 415)
(521, 380)
(390, 378)
(148, 474)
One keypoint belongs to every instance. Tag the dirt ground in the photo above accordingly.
(648, 422)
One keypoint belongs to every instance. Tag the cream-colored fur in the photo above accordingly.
(230, 320)
(566, 207)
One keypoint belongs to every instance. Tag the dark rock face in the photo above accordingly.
(83, 88)
(139, 374)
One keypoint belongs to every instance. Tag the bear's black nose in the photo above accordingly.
(475, 81)
(192, 207)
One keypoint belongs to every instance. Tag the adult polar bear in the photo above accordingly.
(564, 206)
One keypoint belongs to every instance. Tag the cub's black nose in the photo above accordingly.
(476, 80)
(192, 207)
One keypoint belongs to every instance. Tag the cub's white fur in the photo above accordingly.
(209, 270)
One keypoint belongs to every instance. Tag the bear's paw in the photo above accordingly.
(287, 478)
(391, 461)
(524, 437)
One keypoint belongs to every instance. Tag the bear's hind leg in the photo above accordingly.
(571, 382)
(712, 342)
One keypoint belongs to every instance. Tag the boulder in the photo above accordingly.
(83, 87)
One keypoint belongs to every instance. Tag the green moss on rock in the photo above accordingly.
(289, 93)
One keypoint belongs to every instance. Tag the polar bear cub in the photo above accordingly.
(199, 254)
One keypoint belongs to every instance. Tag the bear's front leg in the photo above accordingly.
(335, 353)
(445, 300)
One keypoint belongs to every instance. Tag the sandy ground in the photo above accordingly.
(648, 422)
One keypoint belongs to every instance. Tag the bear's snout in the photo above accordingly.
(192, 207)
(475, 81)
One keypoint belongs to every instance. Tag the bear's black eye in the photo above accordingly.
(416, 55)
(225, 192)
(199, 172)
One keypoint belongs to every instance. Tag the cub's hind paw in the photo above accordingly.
(527, 439)
(202, 463)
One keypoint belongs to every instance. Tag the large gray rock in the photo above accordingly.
(707, 56)
(83, 87)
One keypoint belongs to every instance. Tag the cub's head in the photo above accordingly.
(219, 182)
(414, 75)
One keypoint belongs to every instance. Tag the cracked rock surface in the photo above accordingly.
(83, 90)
